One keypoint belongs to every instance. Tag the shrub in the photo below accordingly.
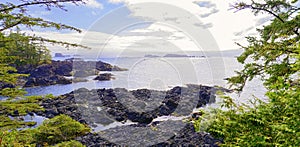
(58, 129)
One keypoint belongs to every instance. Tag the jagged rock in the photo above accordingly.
(105, 106)
(104, 77)
(158, 134)
(50, 74)
(189, 137)
(47, 80)
(141, 106)
(94, 140)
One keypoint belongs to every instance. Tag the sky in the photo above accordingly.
(125, 26)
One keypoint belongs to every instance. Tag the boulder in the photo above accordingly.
(62, 68)
(50, 74)
(104, 77)
(46, 81)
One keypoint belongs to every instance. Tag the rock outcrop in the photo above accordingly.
(142, 106)
(104, 77)
(54, 73)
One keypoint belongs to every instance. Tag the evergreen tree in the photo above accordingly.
(19, 49)
(273, 57)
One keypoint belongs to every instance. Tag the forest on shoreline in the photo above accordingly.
(274, 58)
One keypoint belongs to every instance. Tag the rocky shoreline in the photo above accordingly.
(57, 71)
(142, 106)
(186, 136)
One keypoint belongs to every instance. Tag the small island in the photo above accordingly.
(175, 55)
(60, 55)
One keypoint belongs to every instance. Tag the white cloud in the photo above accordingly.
(223, 23)
(93, 4)
(98, 42)
(166, 35)
(183, 30)
(155, 38)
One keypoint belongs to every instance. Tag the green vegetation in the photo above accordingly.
(17, 108)
(58, 129)
(274, 58)
(71, 143)
(21, 50)
(20, 107)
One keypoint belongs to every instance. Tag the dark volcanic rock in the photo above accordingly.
(59, 55)
(45, 81)
(62, 68)
(105, 106)
(25, 69)
(94, 140)
(50, 74)
(141, 106)
(104, 77)
(102, 66)
(44, 70)
(158, 134)
(189, 137)
(82, 105)
(45, 75)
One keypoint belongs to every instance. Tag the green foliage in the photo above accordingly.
(52, 131)
(20, 107)
(24, 50)
(266, 124)
(71, 143)
(58, 129)
(15, 138)
(15, 15)
(12, 92)
(20, 49)
(17, 108)
(274, 58)
(8, 123)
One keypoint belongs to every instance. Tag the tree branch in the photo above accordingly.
(10, 26)
(47, 3)
(268, 11)
(30, 21)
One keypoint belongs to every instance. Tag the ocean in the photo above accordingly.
(164, 73)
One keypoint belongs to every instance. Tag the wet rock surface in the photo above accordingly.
(158, 134)
(104, 77)
(119, 104)
(94, 140)
(143, 135)
(106, 106)
(54, 73)
(187, 136)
